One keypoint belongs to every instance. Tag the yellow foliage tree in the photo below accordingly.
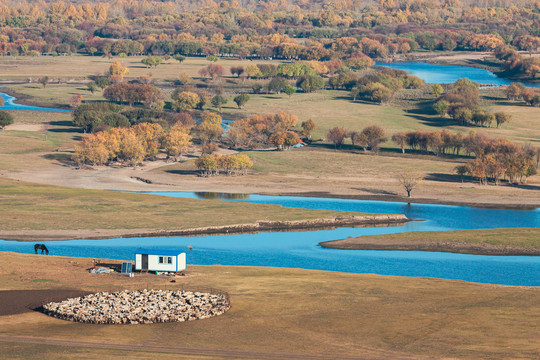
(118, 68)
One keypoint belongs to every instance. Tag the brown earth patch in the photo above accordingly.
(21, 301)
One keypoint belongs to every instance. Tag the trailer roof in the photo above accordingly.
(159, 252)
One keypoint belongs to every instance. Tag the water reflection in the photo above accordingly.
(220, 196)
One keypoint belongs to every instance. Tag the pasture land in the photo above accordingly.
(292, 313)
(513, 241)
(26, 206)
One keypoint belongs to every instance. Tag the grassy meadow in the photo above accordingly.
(289, 311)
(526, 238)
(25, 206)
(327, 108)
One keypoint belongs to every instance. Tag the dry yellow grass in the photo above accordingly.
(299, 312)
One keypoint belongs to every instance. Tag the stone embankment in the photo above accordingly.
(323, 223)
(139, 307)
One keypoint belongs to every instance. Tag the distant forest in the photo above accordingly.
(286, 29)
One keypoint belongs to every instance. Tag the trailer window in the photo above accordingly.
(165, 260)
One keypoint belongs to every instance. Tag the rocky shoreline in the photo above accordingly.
(139, 307)
(324, 223)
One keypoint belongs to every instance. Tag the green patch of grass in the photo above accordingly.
(39, 207)
(521, 237)
(45, 280)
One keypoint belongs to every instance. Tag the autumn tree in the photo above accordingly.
(502, 118)
(75, 100)
(91, 150)
(151, 136)
(118, 69)
(176, 141)
(212, 70)
(307, 128)
(284, 140)
(207, 164)
(437, 90)
(184, 100)
(409, 179)
(374, 135)
(400, 139)
(337, 136)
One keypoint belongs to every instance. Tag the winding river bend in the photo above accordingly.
(300, 249)
(9, 104)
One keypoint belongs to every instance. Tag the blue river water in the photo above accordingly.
(446, 74)
(9, 104)
(301, 250)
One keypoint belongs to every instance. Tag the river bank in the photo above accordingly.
(303, 225)
(500, 242)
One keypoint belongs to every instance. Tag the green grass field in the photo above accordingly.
(41, 207)
(33, 147)
(290, 311)
(327, 108)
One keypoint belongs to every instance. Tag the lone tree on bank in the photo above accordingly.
(409, 178)
(5, 119)
(44, 81)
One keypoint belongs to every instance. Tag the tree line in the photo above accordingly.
(131, 145)
(267, 30)
(495, 158)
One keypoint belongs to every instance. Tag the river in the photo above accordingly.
(301, 250)
(9, 104)
(446, 74)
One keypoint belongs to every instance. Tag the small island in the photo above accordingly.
(522, 241)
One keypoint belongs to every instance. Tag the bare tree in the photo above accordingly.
(409, 178)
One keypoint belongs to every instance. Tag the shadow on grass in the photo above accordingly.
(377, 191)
(183, 172)
(454, 178)
(62, 158)
(526, 187)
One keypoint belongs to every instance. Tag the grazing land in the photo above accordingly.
(286, 313)
(486, 242)
(34, 211)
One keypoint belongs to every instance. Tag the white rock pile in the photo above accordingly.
(139, 307)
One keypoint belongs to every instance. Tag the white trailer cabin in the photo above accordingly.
(160, 260)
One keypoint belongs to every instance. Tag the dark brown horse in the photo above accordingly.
(41, 247)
